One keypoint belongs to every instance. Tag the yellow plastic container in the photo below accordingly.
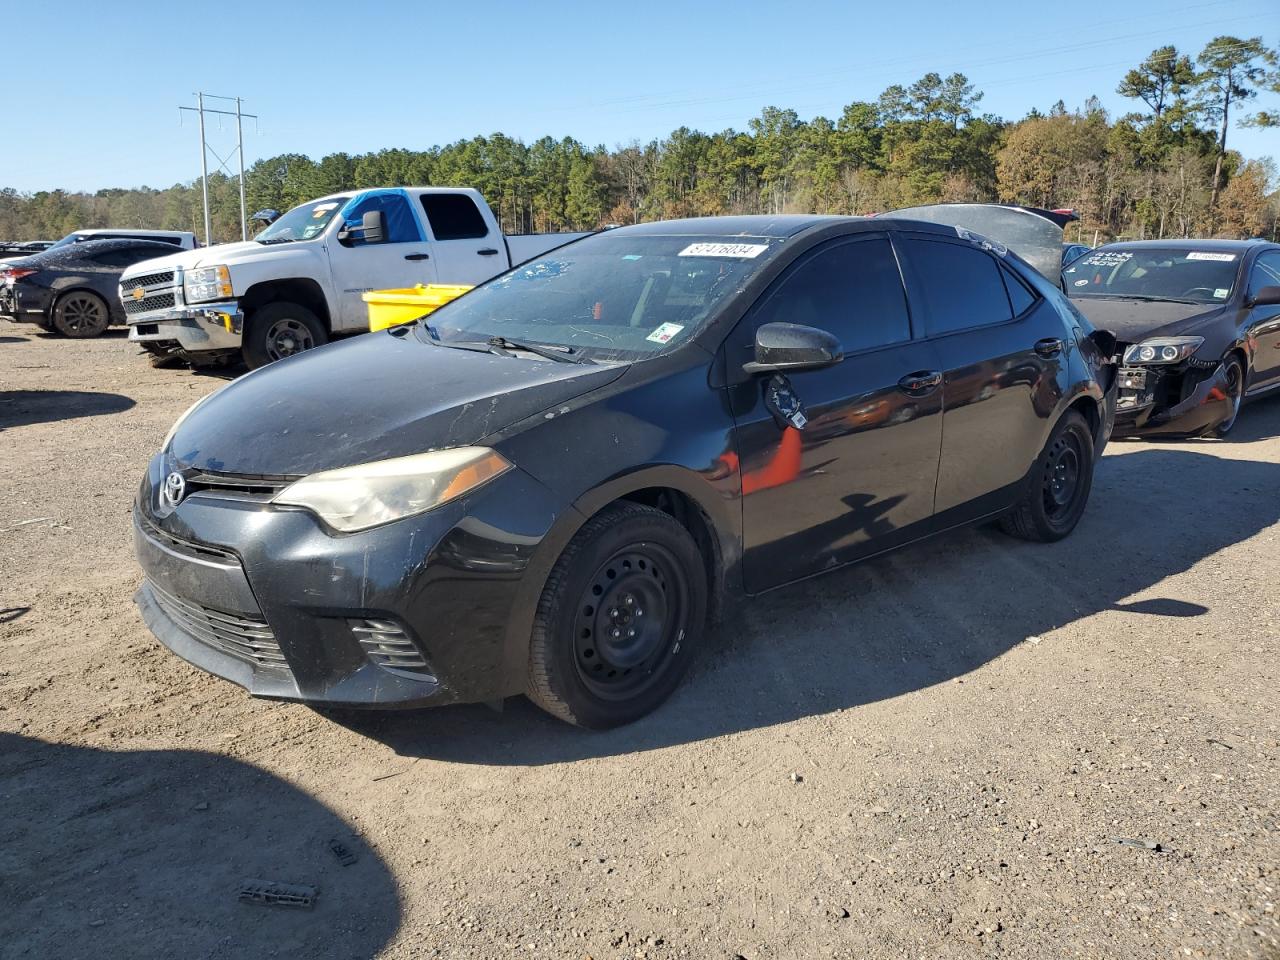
(389, 308)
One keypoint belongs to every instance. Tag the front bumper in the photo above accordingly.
(214, 326)
(265, 598)
(1141, 414)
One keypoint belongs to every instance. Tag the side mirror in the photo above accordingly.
(372, 229)
(1266, 297)
(783, 347)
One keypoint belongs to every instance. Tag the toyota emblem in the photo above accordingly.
(175, 488)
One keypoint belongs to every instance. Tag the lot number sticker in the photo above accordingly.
(744, 251)
(665, 332)
(1224, 257)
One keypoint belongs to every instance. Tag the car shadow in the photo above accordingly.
(920, 616)
(22, 407)
(143, 854)
(13, 339)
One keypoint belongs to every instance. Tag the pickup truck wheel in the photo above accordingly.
(1057, 489)
(81, 314)
(620, 616)
(280, 330)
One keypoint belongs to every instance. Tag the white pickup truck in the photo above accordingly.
(300, 280)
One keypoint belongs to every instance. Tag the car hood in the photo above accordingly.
(228, 254)
(1134, 320)
(373, 397)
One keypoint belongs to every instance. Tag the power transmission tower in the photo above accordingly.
(205, 150)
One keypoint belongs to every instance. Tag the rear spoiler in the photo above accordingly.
(1033, 234)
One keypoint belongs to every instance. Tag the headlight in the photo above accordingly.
(168, 437)
(369, 494)
(1163, 350)
(207, 283)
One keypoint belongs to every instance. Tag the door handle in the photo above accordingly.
(417, 256)
(1049, 347)
(488, 252)
(920, 383)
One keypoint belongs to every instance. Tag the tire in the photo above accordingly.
(1057, 489)
(1234, 370)
(593, 660)
(278, 330)
(81, 314)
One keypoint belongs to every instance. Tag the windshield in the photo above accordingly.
(1201, 276)
(302, 222)
(69, 239)
(614, 296)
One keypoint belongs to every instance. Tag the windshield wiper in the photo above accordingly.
(271, 240)
(560, 354)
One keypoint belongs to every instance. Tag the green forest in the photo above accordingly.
(1166, 168)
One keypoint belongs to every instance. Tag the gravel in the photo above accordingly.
(973, 723)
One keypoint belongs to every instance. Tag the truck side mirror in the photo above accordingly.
(1266, 297)
(372, 229)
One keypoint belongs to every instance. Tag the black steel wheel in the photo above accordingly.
(1233, 371)
(1057, 488)
(280, 330)
(81, 314)
(619, 617)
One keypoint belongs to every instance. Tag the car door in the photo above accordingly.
(403, 259)
(1002, 350)
(841, 462)
(1263, 322)
(467, 250)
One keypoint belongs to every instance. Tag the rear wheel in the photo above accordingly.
(81, 314)
(278, 330)
(619, 618)
(1233, 370)
(1057, 490)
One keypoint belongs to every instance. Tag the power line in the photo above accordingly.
(206, 149)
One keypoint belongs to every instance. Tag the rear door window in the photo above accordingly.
(1021, 298)
(850, 288)
(453, 216)
(959, 286)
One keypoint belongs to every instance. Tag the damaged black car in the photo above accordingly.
(552, 484)
(1197, 327)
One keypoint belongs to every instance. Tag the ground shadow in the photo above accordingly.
(13, 339)
(21, 407)
(920, 616)
(142, 854)
(10, 614)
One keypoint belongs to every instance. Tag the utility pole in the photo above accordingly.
(206, 149)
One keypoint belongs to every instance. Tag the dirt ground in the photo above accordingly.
(930, 755)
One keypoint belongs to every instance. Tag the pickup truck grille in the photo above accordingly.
(151, 280)
(159, 292)
(157, 302)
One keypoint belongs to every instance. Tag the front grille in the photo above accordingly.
(157, 301)
(151, 280)
(386, 644)
(235, 487)
(245, 638)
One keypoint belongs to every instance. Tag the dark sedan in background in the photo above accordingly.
(1197, 324)
(73, 289)
(549, 485)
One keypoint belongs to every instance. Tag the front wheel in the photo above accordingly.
(619, 618)
(1057, 490)
(1233, 372)
(278, 330)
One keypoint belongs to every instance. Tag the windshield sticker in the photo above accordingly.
(1220, 293)
(665, 332)
(1224, 257)
(1111, 258)
(633, 256)
(321, 209)
(1082, 283)
(746, 251)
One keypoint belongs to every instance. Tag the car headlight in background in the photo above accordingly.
(1163, 350)
(369, 494)
(207, 283)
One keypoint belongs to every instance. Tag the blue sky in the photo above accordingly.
(95, 101)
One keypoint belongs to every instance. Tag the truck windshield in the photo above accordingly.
(303, 222)
(611, 296)
(1153, 273)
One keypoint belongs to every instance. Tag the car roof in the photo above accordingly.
(129, 232)
(87, 248)
(780, 226)
(1181, 244)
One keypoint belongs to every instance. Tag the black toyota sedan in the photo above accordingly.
(73, 289)
(550, 485)
(1197, 324)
